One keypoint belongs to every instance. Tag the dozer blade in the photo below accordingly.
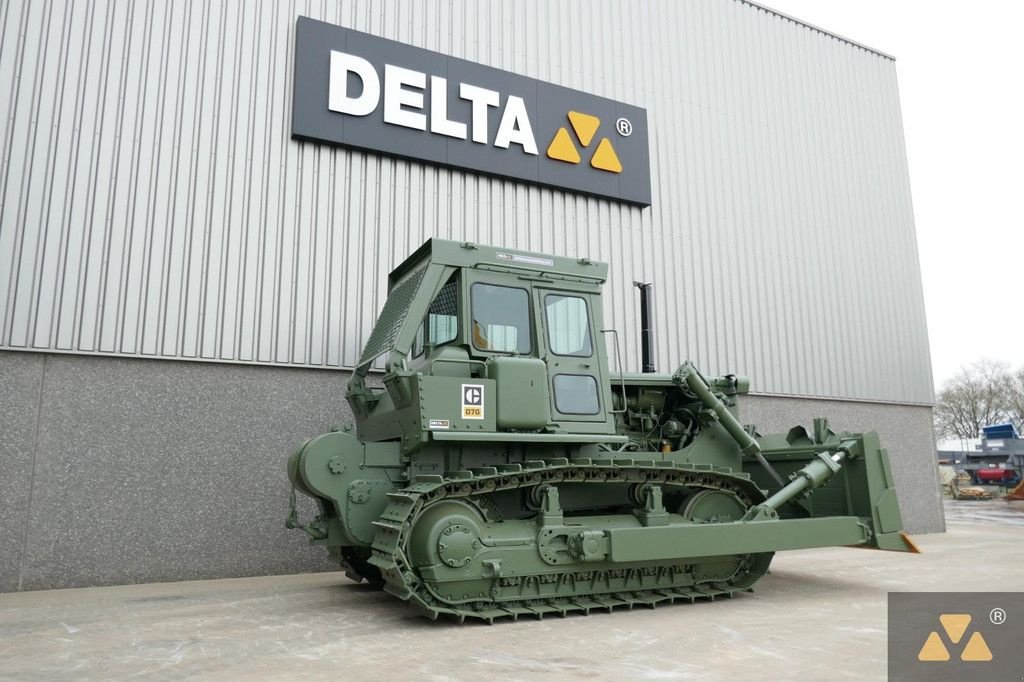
(862, 486)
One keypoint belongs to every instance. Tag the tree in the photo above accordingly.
(1015, 399)
(978, 396)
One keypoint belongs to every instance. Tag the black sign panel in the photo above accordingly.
(374, 94)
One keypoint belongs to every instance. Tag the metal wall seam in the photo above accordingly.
(154, 204)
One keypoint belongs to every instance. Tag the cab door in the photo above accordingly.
(574, 356)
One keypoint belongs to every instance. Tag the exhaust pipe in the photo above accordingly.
(646, 326)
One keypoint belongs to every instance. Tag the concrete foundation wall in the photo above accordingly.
(906, 432)
(118, 470)
(127, 471)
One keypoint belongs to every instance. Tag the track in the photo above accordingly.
(578, 588)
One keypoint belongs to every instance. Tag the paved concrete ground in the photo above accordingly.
(998, 511)
(820, 614)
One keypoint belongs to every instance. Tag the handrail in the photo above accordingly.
(622, 378)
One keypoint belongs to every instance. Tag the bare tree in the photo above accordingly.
(1015, 399)
(978, 396)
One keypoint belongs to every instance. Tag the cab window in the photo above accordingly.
(568, 325)
(501, 318)
(441, 323)
(576, 394)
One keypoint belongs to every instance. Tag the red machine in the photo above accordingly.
(996, 476)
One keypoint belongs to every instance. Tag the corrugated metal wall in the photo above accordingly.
(153, 203)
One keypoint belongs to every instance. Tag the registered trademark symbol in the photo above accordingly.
(997, 616)
(624, 127)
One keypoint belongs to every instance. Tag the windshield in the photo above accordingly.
(501, 319)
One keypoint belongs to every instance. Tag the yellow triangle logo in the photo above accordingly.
(955, 625)
(933, 649)
(585, 126)
(562, 148)
(605, 157)
(976, 649)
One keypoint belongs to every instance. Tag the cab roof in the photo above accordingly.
(471, 255)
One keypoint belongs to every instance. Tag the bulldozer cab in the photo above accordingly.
(479, 340)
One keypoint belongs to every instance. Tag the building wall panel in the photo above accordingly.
(153, 203)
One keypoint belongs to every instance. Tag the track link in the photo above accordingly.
(612, 588)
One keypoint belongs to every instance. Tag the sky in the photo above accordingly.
(960, 68)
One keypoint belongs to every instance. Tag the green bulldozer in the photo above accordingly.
(499, 467)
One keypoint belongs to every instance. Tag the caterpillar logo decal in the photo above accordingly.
(585, 126)
(955, 625)
(472, 401)
(372, 94)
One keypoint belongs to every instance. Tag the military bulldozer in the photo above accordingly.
(499, 467)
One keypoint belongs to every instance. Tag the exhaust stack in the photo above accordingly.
(646, 326)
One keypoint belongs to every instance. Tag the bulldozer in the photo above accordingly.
(499, 467)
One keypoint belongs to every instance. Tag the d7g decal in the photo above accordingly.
(374, 94)
(472, 401)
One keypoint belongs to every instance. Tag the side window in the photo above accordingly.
(501, 318)
(441, 324)
(568, 325)
(576, 394)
